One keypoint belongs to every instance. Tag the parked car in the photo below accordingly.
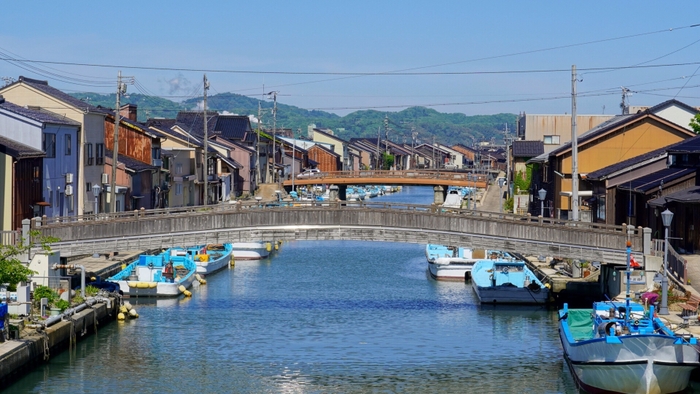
(310, 173)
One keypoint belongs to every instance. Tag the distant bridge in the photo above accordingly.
(394, 177)
(391, 222)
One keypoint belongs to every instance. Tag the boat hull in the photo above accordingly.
(641, 364)
(509, 295)
(154, 289)
(218, 260)
(450, 269)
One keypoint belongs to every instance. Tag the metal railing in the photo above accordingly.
(398, 174)
(677, 265)
(246, 206)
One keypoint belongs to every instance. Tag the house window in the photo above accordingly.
(88, 155)
(551, 140)
(100, 159)
(68, 147)
(178, 168)
(50, 196)
(601, 208)
(631, 205)
(178, 189)
(155, 152)
(35, 173)
(49, 144)
(69, 202)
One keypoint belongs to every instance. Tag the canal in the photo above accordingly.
(319, 317)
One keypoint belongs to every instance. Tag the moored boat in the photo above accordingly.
(610, 350)
(250, 250)
(213, 257)
(148, 276)
(507, 282)
(456, 263)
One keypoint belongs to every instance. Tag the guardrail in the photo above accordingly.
(400, 174)
(144, 214)
(677, 265)
(10, 237)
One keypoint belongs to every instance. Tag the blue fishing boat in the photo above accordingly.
(505, 281)
(213, 257)
(621, 347)
(166, 274)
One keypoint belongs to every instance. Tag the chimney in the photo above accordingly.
(128, 111)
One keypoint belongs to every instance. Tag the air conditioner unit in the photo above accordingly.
(69, 177)
(105, 178)
(69, 190)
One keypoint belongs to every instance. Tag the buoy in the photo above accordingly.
(182, 288)
(200, 279)
(277, 246)
(120, 316)
(233, 262)
(132, 313)
(187, 293)
(128, 306)
(122, 309)
(268, 246)
(131, 284)
(152, 285)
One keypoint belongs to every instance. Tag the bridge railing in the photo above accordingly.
(677, 265)
(399, 174)
(144, 214)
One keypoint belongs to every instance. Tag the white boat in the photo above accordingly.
(145, 276)
(250, 250)
(610, 352)
(451, 268)
(218, 256)
(620, 347)
(507, 282)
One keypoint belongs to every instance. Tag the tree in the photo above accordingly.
(12, 270)
(388, 161)
(695, 123)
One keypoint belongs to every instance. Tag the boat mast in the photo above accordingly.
(630, 230)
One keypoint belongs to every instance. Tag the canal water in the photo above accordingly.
(319, 317)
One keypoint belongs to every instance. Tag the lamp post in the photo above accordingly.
(96, 189)
(542, 194)
(501, 182)
(666, 217)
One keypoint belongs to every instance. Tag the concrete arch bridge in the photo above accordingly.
(392, 222)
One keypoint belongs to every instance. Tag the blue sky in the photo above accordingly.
(452, 47)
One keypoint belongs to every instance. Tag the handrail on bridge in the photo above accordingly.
(248, 206)
(401, 174)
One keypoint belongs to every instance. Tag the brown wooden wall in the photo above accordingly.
(326, 161)
(132, 143)
(27, 189)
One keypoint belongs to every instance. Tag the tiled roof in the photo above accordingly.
(689, 195)
(650, 182)
(131, 164)
(233, 127)
(691, 145)
(193, 122)
(527, 148)
(38, 115)
(160, 123)
(43, 86)
(17, 150)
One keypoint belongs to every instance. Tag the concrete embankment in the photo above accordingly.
(36, 346)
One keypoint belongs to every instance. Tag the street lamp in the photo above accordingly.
(666, 217)
(96, 189)
(542, 194)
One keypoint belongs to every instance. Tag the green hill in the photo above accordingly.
(448, 128)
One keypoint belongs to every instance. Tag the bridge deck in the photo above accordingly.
(395, 177)
(392, 222)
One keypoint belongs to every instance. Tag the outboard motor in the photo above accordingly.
(604, 328)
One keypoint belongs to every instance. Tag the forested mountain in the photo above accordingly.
(447, 128)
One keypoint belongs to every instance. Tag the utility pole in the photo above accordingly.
(206, 144)
(574, 149)
(624, 105)
(379, 137)
(294, 156)
(257, 150)
(274, 134)
(434, 163)
(386, 138)
(121, 89)
(414, 134)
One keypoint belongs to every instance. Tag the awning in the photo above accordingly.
(581, 193)
(690, 195)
